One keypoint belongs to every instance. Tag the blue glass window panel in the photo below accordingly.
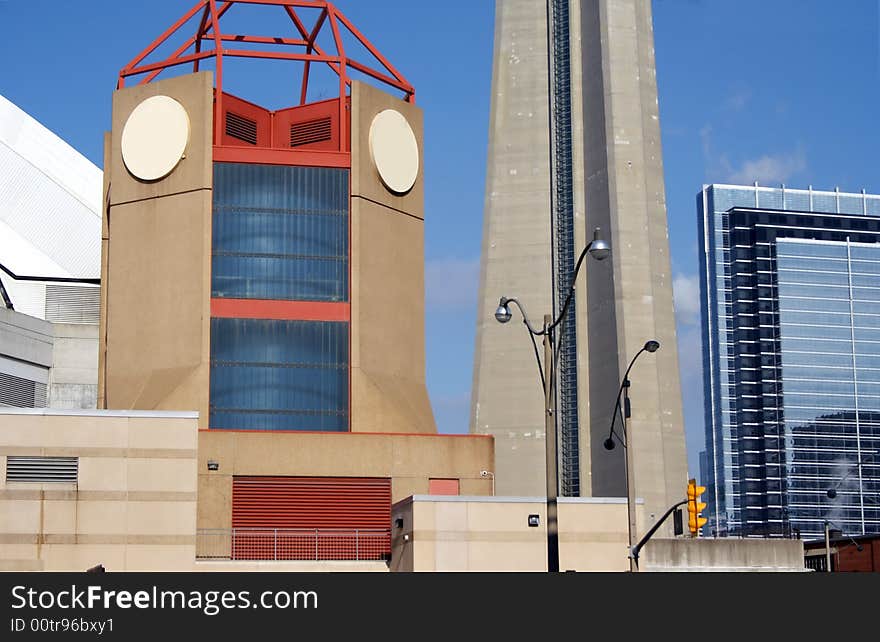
(819, 305)
(800, 249)
(851, 204)
(280, 232)
(824, 318)
(824, 203)
(818, 332)
(873, 205)
(798, 201)
(771, 199)
(279, 375)
(869, 252)
(814, 291)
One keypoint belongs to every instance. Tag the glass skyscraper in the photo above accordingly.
(790, 289)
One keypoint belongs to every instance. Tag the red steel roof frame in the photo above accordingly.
(209, 30)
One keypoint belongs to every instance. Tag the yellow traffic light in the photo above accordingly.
(695, 507)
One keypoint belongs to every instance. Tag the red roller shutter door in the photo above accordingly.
(311, 517)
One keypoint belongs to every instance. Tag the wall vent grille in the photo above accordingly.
(19, 392)
(241, 128)
(73, 304)
(310, 132)
(41, 469)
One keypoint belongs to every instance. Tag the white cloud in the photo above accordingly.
(451, 282)
(738, 100)
(768, 169)
(686, 293)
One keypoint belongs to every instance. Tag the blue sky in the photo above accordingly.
(770, 90)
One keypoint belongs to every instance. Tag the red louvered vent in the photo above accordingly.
(310, 132)
(241, 128)
(309, 518)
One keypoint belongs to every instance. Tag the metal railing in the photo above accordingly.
(278, 544)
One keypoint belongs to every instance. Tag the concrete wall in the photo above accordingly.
(629, 296)
(507, 400)
(133, 506)
(26, 346)
(63, 357)
(409, 460)
(156, 264)
(621, 302)
(73, 379)
(492, 534)
(719, 555)
(388, 391)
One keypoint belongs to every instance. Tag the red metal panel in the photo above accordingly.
(262, 117)
(443, 487)
(294, 157)
(273, 309)
(319, 504)
(286, 118)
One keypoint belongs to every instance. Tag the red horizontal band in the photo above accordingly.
(271, 156)
(283, 310)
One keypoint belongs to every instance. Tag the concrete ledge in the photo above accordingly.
(53, 412)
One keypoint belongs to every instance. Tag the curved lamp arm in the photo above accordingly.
(505, 301)
(650, 346)
(600, 250)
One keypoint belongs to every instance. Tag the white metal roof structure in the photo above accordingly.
(50, 221)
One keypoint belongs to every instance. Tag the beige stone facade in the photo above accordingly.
(132, 506)
(454, 534)
(493, 534)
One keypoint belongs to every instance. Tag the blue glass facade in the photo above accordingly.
(791, 337)
(280, 234)
(279, 375)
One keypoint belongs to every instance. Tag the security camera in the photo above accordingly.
(484, 473)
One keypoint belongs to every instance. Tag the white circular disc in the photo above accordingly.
(154, 138)
(394, 150)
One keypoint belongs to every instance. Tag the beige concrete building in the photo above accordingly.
(80, 488)
(616, 171)
(454, 534)
(433, 533)
(265, 268)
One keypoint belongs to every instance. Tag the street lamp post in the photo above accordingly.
(626, 442)
(599, 250)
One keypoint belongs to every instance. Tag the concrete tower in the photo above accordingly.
(608, 114)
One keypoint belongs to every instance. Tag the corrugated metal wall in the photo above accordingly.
(338, 510)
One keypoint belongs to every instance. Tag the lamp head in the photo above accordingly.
(502, 312)
(609, 444)
(599, 248)
(652, 346)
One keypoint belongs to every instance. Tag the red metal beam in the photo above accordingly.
(209, 28)
(366, 43)
(312, 4)
(158, 41)
(197, 39)
(278, 55)
(203, 30)
(218, 49)
(340, 48)
(168, 62)
(287, 310)
(263, 40)
(388, 80)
